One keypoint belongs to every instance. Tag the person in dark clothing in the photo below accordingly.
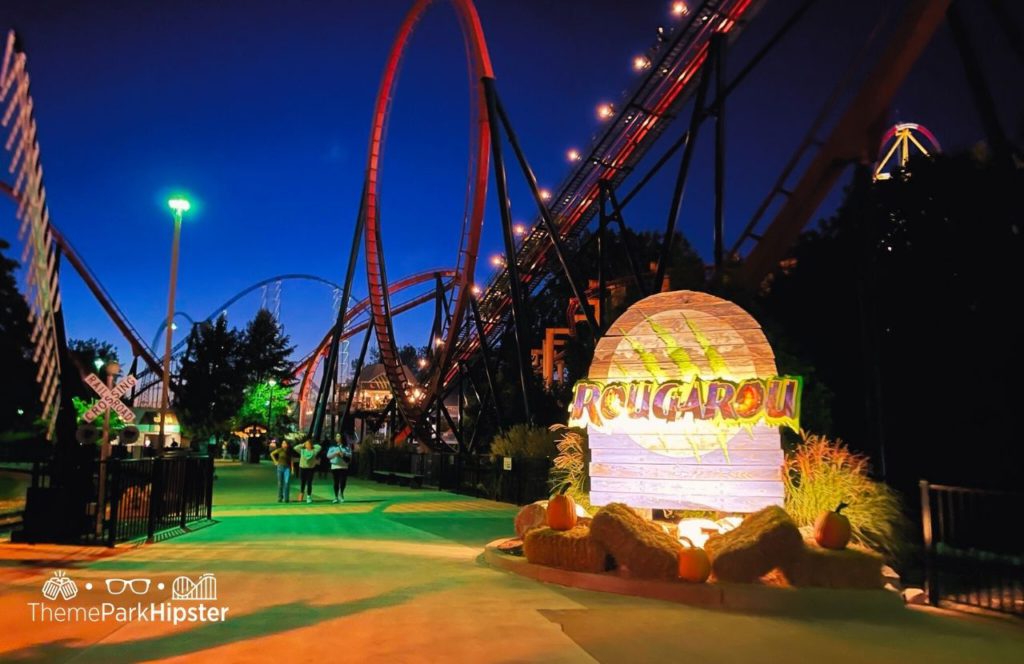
(339, 454)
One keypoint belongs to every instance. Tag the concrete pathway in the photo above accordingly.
(393, 575)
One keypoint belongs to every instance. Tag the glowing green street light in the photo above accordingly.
(179, 205)
(98, 363)
(270, 406)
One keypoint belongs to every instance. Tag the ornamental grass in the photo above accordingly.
(821, 473)
(569, 470)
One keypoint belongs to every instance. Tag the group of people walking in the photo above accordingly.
(307, 456)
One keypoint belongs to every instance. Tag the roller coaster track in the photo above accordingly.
(651, 107)
(479, 63)
(306, 367)
(106, 301)
(647, 112)
(146, 378)
(242, 293)
(642, 119)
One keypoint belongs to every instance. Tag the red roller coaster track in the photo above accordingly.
(649, 109)
(380, 305)
(307, 365)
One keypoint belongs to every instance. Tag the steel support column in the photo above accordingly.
(684, 169)
(330, 366)
(602, 223)
(505, 206)
(355, 376)
(545, 214)
(717, 55)
(485, 354)
(617, 217)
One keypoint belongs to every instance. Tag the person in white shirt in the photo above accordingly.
(339, 454)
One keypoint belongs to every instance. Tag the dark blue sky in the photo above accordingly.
(260, 109)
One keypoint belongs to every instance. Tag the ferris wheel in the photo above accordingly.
(900, 143)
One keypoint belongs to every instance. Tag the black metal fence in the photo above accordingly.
(973, 551)
(476, 475)
(144, 497)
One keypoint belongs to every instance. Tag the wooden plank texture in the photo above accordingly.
(762, 440)
(681, 471)
(687, 487)
(742, 504)
(685, 464)
(736, 458)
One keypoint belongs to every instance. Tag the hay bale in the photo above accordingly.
(568, 549)
(531, 516)
(765, 540)
(826, 568)
(639, 545)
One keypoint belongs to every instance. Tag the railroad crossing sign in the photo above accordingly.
(110, 398)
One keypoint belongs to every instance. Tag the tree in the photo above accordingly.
(263, 401)
(85, 353)
(211, 380)
(83, 405)
(266, 351)
(20, 407)
(905, 302)
(409, 356)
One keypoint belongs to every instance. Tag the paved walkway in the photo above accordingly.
(393, 575)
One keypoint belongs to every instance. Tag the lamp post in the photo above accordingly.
(112, 369)
(179, 206)
(270, 406)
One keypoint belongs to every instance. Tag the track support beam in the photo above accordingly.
(717, 55)
(515, 286)
(696, 117)
(545, 214)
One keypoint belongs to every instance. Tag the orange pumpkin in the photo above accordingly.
(694, 564)
(561, 512)
(832, 529)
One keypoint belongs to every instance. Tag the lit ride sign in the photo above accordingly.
(683, 406)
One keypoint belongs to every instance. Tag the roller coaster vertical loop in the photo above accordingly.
(380, 306)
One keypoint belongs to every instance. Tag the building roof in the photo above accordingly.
(372, 377)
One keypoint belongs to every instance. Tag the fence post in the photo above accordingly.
(931, 582)
(209, 489)
(156, 498)
(114, 479)
(184, 488)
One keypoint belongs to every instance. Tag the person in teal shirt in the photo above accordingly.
(307, 465)
(339, 454)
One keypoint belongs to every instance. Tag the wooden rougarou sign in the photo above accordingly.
(683, 406)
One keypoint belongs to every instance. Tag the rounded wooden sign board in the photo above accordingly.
(688, 463)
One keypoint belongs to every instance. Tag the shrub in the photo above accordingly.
(821, 473)
(523, 441)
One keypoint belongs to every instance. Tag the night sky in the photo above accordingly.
(260, 109)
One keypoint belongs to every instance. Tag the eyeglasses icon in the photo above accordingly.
(118, 586)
